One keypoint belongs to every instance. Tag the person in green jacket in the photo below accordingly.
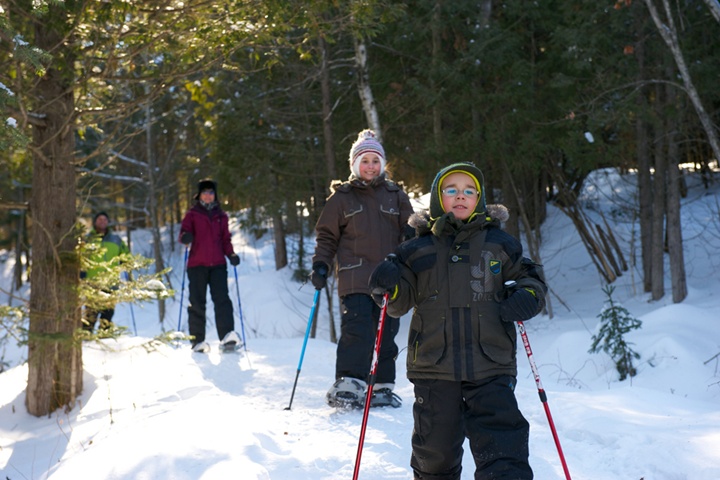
(462, 344)
(111, 245)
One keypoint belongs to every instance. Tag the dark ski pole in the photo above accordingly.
(371, 383)
(242, 322)
(182, 288)
(302, 352)
(509, 285)
(132, 311)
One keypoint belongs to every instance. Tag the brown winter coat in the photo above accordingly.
(360, 225)
(453, 275)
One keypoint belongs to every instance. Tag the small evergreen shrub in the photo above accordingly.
(615, 322)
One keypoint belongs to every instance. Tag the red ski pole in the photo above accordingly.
(541, 391)
(543, 396)
(371, 384)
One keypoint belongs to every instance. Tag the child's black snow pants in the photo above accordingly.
(486, 412)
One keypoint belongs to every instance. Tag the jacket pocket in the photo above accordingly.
(391, 210)
(349, 264)
(498, 340)
(428, 342)
(352, 210)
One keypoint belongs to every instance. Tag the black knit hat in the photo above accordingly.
(206, 184)
(100, 213)
(436, 209)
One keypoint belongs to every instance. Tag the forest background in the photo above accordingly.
(123, 105)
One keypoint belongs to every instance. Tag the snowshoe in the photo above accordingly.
(201, 347)
(346, 393)
(231, 343)
(384, 397)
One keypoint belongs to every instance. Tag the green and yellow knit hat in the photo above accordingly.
(436, 209)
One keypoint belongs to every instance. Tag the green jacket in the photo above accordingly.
(453, 275)
(112, 244)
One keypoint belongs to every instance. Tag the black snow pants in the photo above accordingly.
(216, 278)
(358, 329)
(486, 412)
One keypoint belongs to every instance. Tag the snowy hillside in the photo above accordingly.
(166, 413)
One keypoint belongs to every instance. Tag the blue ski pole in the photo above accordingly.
(182, 289)
(302, 353)
(242, 323)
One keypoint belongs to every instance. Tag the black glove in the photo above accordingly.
(186, 238)
(234, 260)
(385, 278)
(520, 306)
(318, 277)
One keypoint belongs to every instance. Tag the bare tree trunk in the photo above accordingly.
(674, 226)
(644, 178)
(657, 288)
(281, 259)
(435, 25)
(328, 139)
(19, 241)
(668, 32)
(714, 6)
(152, 202)
(485, 13)
(511, 200)
(364, 89)
(329, 152)
(279, 237)
(645, 196)
(54, 354)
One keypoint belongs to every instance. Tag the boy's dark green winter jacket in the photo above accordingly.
(453, 275)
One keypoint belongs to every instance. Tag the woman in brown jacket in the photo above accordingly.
(363, 220)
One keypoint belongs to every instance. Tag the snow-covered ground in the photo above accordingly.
(166, 413)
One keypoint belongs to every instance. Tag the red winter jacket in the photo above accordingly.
(211, 236)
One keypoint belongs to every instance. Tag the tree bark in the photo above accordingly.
(668, 32)
(153, 209)
(642, 128)
(364, 89)
(674, 219)
(279, 233)
(435, 26)
(19, 242)
(657, 249)
(328, 139)
(714, 6)
(54, 354)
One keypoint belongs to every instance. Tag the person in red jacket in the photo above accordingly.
(205, 229)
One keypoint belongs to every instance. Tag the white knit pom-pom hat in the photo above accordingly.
(366, 143)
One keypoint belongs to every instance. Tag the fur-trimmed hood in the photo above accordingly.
(423, 224)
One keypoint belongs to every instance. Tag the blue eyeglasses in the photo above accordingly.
(453, 192)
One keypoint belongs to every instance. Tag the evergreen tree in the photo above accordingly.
(615, 322)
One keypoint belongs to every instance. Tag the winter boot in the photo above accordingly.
(201, 347)
(383, 396)
(231, 342)
(346, 392)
